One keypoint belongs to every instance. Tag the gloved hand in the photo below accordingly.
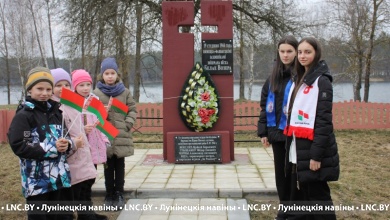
(129, 125)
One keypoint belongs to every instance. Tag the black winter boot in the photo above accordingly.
(100, 217)
(119, 200)
(109, 199)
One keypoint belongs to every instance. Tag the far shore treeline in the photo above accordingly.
(73, 35)
(153, 73)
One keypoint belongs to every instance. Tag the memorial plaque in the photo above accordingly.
(198, 149)
(217, 56)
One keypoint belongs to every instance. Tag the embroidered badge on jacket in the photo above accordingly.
(27, 134)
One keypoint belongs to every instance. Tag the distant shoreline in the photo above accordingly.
(257, 81)
(260, 81)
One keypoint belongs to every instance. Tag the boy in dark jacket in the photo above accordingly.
(35, 136)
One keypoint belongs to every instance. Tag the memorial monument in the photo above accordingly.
(198, 133)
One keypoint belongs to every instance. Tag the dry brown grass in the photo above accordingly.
(12, 106)
(10, 183)
(11, 189)
(364, 179)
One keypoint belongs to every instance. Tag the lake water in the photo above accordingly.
(341, 92)
(153, 92)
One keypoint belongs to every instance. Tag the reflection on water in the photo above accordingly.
(341, 92)
(153, 92)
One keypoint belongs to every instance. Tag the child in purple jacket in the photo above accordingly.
(82, 164)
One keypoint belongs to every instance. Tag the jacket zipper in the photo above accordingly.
(296, 171)
(98, 150)
(296, 165)
(285, 159)
(37, 170)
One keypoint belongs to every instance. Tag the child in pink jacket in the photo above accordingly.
(98, 142)
(82, 82)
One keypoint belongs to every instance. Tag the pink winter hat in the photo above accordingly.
(79, 76)
(60, 74)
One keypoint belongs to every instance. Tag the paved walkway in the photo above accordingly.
(158, 190)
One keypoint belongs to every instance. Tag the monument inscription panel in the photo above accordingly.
(198, 149)
(217, 56)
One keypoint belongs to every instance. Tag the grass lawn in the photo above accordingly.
(364, 179)
(12, 106)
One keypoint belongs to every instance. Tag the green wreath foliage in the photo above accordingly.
(199, 101)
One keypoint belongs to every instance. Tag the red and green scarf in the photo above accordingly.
(303, 113)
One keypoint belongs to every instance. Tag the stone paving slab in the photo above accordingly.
(158, 190)
(176, 209)
(147, 174)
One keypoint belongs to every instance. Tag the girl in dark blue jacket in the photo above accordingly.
(273, 116)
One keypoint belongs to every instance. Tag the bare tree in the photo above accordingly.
(241, 54)
(251, 64)
(375, 19)
(79, 16)
(356, 21)
(100, 43)
(107, 26)
(263, 14)
(5, 53)
(352, 15)
(50, 32)
(137, 77)
(121, 39)
(22, 43)
(33, 11)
